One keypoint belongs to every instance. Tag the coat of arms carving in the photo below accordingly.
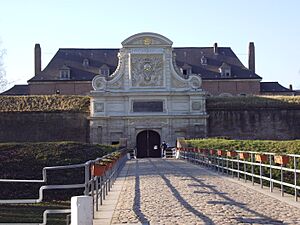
(147, 70)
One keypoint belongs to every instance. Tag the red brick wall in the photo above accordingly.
(84, 88)
(231, 87)
(65, 88)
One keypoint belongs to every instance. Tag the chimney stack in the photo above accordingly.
(37, 59)
(251, 57)
(215, 48)
(291, 87)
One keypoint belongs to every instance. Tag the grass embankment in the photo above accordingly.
(26, 160)
(44, 103)
(75, 103)
(248, 145)
(253, 102)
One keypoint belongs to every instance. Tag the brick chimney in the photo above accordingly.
(37, 59)
(251, 57)
(215, 48)
(291, 87)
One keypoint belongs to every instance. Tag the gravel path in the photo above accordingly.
(158, 191)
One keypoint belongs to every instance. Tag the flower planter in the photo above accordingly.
(98, 170)
(220, 152)
(261, 158)
(205, 151)
(212, 151)
(231, 153)
(244, 155)
(281, 159)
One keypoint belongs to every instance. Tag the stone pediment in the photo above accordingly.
(146, 39)
(146, 62)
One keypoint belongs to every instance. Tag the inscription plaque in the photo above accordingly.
(149, 106)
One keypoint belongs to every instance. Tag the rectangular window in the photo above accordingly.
(149, 106)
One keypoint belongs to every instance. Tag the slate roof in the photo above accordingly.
(273, 87)
(17, 90)
(73, 58)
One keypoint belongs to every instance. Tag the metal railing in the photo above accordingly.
(264, 168)
(95, 186)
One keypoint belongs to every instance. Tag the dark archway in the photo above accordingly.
(146, 142)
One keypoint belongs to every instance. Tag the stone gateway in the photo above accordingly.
(147, 99)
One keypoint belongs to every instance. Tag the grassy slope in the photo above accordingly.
(25, 161)
(253, 102)
(44, 103)
(61, 103)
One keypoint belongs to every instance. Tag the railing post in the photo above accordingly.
(86, 177)
(222, 164)
(101, 190)
(252, 169)
(271, 183)
(232, 167)
(245, 170)
(227, 164)
(260, 174)
(295, 179)
(93, 191)
(218, 164)
(82, 210)
(238, 167)
(97, 194)
(281, 179)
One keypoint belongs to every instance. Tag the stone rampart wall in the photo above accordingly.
(262, 123)
(40, 127)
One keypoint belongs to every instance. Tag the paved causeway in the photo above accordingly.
(159, 191)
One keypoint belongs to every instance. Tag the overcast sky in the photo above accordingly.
(273, 25)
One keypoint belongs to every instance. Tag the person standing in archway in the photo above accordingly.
(163, 148)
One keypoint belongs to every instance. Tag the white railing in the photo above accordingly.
(94, 185)
(249, 165)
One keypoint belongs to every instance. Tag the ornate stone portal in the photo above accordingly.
(147, 92)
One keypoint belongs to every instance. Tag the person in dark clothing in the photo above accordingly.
(163, 148)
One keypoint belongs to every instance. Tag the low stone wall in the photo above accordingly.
(40, 126)
(260, 123)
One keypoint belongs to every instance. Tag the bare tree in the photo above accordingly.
(3, 81)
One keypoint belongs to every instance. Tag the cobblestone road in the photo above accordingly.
(158, 191)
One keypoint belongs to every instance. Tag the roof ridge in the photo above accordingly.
(89, 48)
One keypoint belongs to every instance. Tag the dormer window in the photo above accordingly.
(225, 70)
(85, 62)
(64, 73)
(203, 60)
(186, 70)
(104, 70)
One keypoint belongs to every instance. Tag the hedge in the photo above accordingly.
(292, 146)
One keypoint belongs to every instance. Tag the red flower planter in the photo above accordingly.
(261, 158)
(212, 151)
(244, 155)
(98, 170)
(281, 159)
(221, 152)
(231, 153)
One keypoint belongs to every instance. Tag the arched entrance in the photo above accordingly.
(146, 142)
